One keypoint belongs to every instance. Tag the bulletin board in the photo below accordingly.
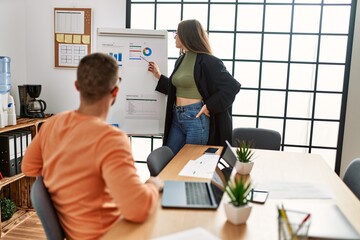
(72, 36)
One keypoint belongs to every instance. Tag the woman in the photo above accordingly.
(200, 92)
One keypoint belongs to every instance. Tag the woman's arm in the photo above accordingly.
(222, 87)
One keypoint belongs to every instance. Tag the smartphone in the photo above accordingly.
(211, 150)
(258, 196)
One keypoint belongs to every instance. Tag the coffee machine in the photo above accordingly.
(30, 107)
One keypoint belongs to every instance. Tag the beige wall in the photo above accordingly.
(351, 144)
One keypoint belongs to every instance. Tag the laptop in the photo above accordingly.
(201, 195)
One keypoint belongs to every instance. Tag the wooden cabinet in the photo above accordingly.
(17, 188)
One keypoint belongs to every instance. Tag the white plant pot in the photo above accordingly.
(244, 168)
(237, 215)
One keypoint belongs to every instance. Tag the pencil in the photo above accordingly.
(285, 218)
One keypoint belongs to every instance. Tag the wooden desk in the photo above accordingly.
(262, 223)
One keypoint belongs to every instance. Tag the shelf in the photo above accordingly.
(19, 191)
(7, 180)
(23, 123)
(19, 216)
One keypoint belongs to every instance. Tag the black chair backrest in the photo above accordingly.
(261, 138)
(45, 210)
(352, 177)
(158, 159)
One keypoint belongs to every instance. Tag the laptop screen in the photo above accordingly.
(222, 172)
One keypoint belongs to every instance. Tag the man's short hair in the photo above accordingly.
(97, 75)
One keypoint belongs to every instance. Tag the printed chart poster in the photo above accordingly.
(139, 109)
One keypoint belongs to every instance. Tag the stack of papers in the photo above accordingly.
(203, 167)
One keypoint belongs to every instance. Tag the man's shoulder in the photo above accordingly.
(59, 115)
(56, 117)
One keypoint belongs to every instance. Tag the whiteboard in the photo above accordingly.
(139, 109)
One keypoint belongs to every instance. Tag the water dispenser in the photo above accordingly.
(7, 108)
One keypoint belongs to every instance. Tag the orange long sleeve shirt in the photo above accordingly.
(89, 171)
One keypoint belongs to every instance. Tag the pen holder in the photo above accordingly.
(295, 226)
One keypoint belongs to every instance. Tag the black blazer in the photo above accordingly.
(218, 89)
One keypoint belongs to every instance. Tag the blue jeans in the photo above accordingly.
(186, 128)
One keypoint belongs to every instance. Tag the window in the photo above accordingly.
(291, 57)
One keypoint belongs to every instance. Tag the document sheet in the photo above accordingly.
(194, 233)
(202, 167)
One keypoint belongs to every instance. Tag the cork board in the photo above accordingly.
(72, 36)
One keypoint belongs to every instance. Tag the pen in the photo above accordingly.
(144, 59)
(302, 223)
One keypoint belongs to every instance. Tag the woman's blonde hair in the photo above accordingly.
(193, 36)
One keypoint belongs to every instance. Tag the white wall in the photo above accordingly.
(13, 40)
(351, 143)
(28, 27)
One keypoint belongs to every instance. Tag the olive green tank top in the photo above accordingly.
(183, 78)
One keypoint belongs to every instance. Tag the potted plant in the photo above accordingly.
(238, 210)
(8, 209)
(244, 154)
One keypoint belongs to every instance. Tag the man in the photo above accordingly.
(86, 163)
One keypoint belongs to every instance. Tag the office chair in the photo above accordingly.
(260, 138)
(44, 207)
(352, 177)
(158, 159)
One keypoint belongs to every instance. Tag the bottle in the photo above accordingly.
(5, 76)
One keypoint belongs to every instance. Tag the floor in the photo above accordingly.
(31, 229)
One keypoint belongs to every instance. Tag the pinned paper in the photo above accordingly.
(77, 39)
(60, 37)
(86, 39)
(68, 38)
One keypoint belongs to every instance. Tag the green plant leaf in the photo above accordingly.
(8, 209)
(238, 191)
(244, 152)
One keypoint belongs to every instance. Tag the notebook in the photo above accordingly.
(201, 195)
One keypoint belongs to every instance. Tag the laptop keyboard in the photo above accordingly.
(197, 193)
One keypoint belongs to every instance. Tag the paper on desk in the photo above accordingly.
(202, 167)
(193, 233)
(295, 190)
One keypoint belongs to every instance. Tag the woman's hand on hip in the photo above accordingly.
(203, 110)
